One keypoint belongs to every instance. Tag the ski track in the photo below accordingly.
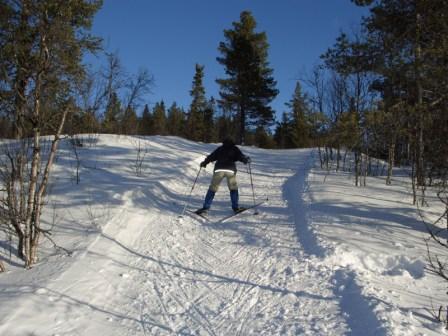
(226, 287)
(248, 276)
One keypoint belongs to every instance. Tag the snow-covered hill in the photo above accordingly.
(322, 257)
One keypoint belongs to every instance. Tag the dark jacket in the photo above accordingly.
(226, 156)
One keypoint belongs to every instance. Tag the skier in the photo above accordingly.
(225, 157)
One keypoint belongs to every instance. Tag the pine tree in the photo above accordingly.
(159, 126)
(225, 125)
(282, 134)
(299, 118)
(112, 115)
(145, 125)
(210, 134)
(129, 123)
(263, 139)
(175, 120)
(249, 86)
(198, 107)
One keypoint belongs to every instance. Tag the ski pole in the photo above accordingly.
(252, 185)
(191, 191)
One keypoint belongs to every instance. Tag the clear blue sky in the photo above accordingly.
(168, 37)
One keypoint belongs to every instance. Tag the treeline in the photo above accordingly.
(109, 100)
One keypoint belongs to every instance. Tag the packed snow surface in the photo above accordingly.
(321, 257)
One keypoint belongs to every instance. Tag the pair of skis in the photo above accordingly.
(226, 218)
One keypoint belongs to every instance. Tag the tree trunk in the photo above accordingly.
(357, 168)
(35, 228)
(419, 110)
(338, 155)
(446, 215)
(344, 160)
(242, 125)
(21, 243)
(320, 156)
(390, 162)
(366, 168)
(34, 176)
(414, 182)
(14, 214)
(31, 207)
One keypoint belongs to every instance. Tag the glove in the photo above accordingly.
(203, 164)
(246, 160)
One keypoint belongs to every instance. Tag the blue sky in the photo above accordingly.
(168, 37)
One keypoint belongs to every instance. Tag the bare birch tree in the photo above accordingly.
(45, 43)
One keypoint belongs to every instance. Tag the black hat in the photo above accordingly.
(228, 141)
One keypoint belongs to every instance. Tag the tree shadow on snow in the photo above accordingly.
(293, 190)
(9, 249)
(360, 317)
(218, 277)
(145, 321)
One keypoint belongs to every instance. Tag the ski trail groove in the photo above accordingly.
(293, 191)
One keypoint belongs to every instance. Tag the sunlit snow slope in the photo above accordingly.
(322, 257)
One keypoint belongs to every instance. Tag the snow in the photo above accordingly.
(322, 257)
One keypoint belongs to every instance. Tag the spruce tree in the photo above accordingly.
(263, 138)
(129, 123)
(175, 120)
(225, 125)
(299, 127)
(159, 126)
(146, 121)
(249, 86)
(282, 134)
(198, 107)
(210, 134)
(112, 115)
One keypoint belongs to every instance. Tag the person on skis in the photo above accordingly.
(225, 156)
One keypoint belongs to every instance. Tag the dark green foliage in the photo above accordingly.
(411, 47)
(198, 107)
(225, 126)
(112, 115)
(300, 123)
(249, 86)
(294, 130)
(175, 121)
(263, 139)
(159, 124)
(210, 134)
(282, 134)
(42, 44)
(129, 123)
(401, 55)
(145, 125)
